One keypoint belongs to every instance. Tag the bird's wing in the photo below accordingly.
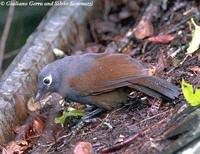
(110, 71)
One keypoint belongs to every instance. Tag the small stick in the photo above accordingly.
(120, 145)
(11, 54)
(181, 63)
(5, 33)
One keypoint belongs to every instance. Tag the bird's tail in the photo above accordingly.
(155, 87)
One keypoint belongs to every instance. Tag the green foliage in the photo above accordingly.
(191, 95)
(70, 112)
(195, 42)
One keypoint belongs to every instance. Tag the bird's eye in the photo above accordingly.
(47, 80)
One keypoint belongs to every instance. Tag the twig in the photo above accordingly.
(178, 51)
(178, 25)
(5, 33)
(128, 141)
(181, 63)
(120, 145)
(155, 116)
(11, 54)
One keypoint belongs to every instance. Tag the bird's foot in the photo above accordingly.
(90, 108)
(87, 119)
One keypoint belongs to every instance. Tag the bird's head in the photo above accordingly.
(48, 81)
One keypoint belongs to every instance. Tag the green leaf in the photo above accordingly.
(195, 42)
(191, 95)
(70, 112)
(61, 119)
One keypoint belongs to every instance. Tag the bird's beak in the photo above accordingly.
(38, 96)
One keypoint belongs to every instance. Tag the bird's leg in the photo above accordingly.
(93, 113)
(90, 108)
(88, 118)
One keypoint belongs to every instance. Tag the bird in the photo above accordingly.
(103, 80)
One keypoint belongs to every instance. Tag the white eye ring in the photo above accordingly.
(47, 80)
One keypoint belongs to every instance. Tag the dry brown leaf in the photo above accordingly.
(35, 128)
(195, 69)
(32, 105)
(83, 148)
(144, 29)
(27, 132)
(15, 147)
(32, 128)
(162, 62)
(38, 124)
(161, 38)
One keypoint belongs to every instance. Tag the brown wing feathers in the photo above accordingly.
(117, 70)
(109, 72)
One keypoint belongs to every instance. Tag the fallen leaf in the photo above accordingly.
(195, 42)
(144, 29)
(32, 105)
(162, 63)
(32, 128)
(191, 95)
(164, 39)
(70, 112)
(13, 147)
(83, 148)
(38, 124)
(195, 69)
